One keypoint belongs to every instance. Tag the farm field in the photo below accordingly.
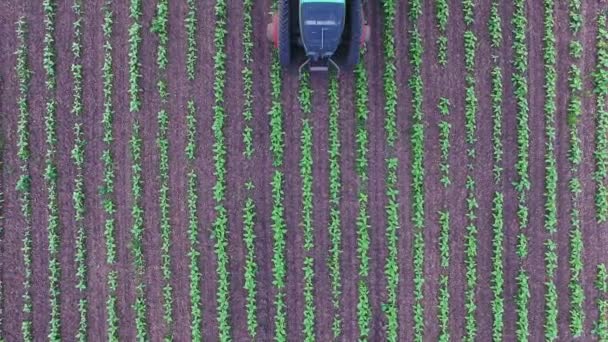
(163, 178)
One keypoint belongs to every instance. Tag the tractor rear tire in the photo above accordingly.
(356, 33)
(284, 34)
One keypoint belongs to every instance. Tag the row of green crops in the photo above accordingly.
(496, 96)
(220, 225)
(306, 164)
(134, 63)
(193, 223)
(247, 73)
(159, 26)
(416, 50)
(78, 197)
(107, 187)
(191, 49)
(278, 225)
(575, 157)
(51, 173)
(601, 284)
(522, 184)
(443, 308)
(444, 141)
(391, 267)
(23, 185)
(249, 209)
(335, 233)
(470, 117)
(601, 137)
(550, 59)
(364, 312)
(137, 232)
(442, 12)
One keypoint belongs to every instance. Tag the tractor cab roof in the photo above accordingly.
(321, 26)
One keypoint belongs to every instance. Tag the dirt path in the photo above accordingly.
(122, 134)
(66, 169)
(376, 171)
(93, 131)
(348, 208)
(202, 89)
(178, 90)
(11, 266)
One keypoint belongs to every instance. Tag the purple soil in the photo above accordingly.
(376, 171)
(67, 172)
(94, 219)
(122, 133)
(178, 87)
(11, 255)
(202, 92)
(564, 203)
(40, 274)
(236, 180)
(294, 253)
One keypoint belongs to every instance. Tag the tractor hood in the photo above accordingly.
(321, 27)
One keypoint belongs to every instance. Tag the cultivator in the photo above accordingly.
(319, 33)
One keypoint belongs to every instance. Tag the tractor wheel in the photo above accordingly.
(357, 33)
(272, 31)
(284, 33)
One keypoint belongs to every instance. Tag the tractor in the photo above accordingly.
(318, 33)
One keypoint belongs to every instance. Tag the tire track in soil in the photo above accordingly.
(324, 310)
(124, 200)
(237, 175)
(564, 61)
(40, 272)
(535, 261)
(402, 150)
(457, 208)
(349, 207)
(261, 170)
(11, 264)
(202, 89)
(68, 298)
(97, 269)
(377, 171)
(292, 126)
(595, 236)
(147, 116)
(511, 262)
(178, 92)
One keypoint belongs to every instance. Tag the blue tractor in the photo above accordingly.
(319, 33)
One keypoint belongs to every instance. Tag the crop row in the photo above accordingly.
(601, 284)
(601, 138)
(107, 187)
(442, 9)
(23, 185)
(443, 312)
(444, 141)
(134, 63)
(247, 74)
(551, 176)
(191, 49)
(306, 164)
(391, 267)
(575, 156)
(51, 173)
(251, 267)
(364, 313)
(522, 184)
(220, 225)
(335, 233)
(470, 117)
(159, 27)
(496, 97)
(78, 196)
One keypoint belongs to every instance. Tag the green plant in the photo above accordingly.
(191, 50)
(135, 12)
(306, 165)
(601, 135)
(601, 284)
